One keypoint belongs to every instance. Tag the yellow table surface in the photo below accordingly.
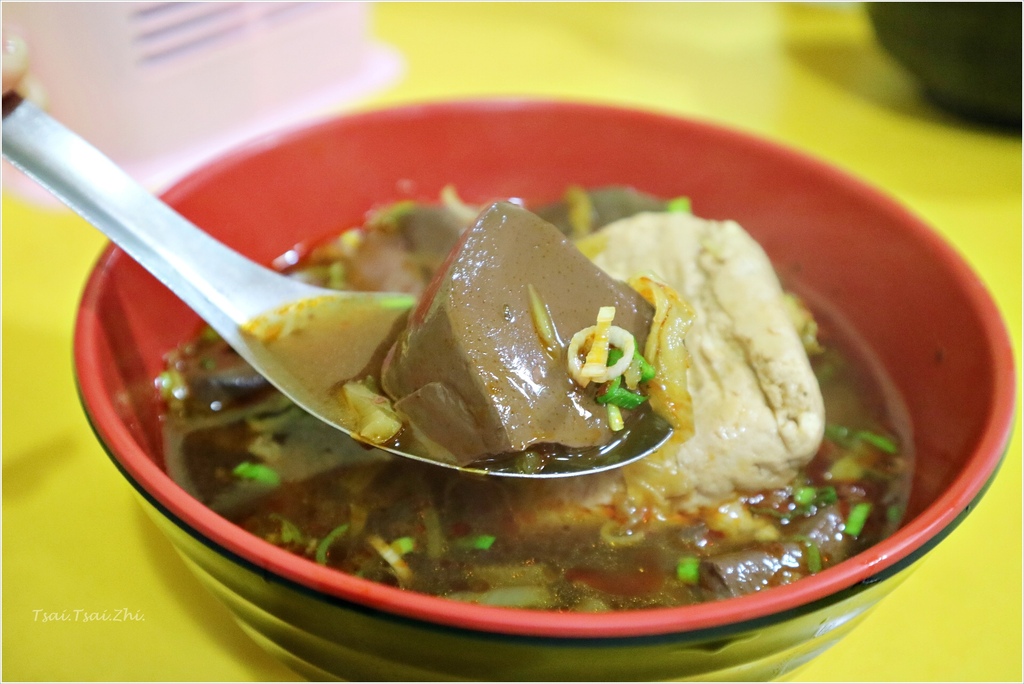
(807, 76)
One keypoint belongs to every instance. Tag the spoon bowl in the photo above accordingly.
(244, 302)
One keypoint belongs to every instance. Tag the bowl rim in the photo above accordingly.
(880, 561)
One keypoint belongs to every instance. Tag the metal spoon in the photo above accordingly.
(225, 288)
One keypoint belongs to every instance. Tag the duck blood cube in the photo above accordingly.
(472, 373)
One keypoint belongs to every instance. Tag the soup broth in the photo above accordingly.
(244, 450)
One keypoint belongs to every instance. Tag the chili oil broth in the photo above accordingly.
(432, 530)
(481, 539)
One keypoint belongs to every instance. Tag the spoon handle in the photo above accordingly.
(222, 286)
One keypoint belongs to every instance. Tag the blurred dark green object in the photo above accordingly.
(966, 55)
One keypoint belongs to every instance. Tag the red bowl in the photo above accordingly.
(909, 295)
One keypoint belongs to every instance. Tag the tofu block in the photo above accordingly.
(757, 409)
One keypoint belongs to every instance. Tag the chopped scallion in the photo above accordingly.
(878, 441)
(483, 542)
(894, 513)
(813, 557)
(857, 518)
(325, 544)
(847, 438)
(804, 496)
(403, 545)
(808, 496)
(813, 553)
(825, 495)
(480, 542)
(290, 532)
(688, 570)
(247, 470)
(771, 512)
(618, 395)
(839, 434)
(679, 205)
(647, 371)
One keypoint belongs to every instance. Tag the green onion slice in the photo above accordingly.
(290, 532)
(771, 512)
(618, 395)
(480, 542)
(247, 470)
(857, 518)
(688, 570)
(813, 557)
(839, 434)
(325, 544)
(813, 552)
(483, 541)
(825, 495)
(878, 441)
(679, 205)
(808, 495)
(894, 513)
(847, 438)
(403, 545)
(647, 371)
(804, 496)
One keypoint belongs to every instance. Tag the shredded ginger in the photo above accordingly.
(367, 413)
(666, 351)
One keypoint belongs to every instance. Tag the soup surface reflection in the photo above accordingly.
(245, 451)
